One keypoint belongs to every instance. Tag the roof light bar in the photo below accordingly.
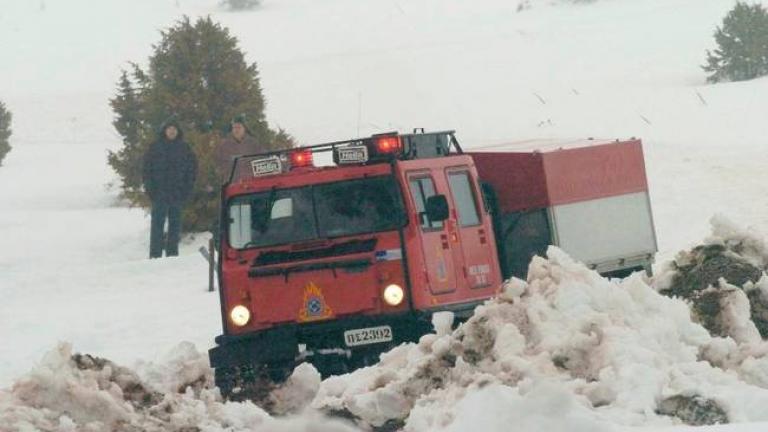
(376, 148)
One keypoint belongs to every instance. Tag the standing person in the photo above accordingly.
(238, 142)
(170, 168)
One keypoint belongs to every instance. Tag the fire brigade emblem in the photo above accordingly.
(314, 306)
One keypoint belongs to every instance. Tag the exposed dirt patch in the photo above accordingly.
(759, 311)
(693, 410)
(477, 338)
(390, 426)
(134, 391)
(705, 265)
(697, 279)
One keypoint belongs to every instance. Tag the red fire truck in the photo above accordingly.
(337, 252)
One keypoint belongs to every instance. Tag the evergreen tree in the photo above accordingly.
(5, 131)
(198, 75)
(136, 132)
(742, 45)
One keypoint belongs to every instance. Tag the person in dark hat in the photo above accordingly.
(238, 142)
(169, 172)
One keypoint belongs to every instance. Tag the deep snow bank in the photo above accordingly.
(566, 350)
(69, 393)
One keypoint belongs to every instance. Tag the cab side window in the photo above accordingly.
(421, 189)
(464, 198)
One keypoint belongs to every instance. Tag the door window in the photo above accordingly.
(421, 189)
(464, 198)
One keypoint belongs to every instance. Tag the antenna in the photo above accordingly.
(359, 111)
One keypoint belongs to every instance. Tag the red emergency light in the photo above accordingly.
(388, 144)
(301, 158)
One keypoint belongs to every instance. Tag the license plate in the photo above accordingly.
(370, 335)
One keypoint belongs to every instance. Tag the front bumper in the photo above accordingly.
(280, 344)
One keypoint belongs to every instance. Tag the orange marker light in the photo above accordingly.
(389, 144)
(301, 158)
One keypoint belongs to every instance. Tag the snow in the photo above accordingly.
(442, 322)
(61, 395)
(573, 350)
(73, 264)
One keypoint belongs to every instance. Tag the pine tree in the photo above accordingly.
(5, 131)
(199, 76)
(136, 133)
(742, 45)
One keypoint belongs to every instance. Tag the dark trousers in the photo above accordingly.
(157, 241)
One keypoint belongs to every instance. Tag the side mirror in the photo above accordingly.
(437, 208)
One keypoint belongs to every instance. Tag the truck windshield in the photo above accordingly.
(281, 216)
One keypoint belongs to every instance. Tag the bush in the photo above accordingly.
(239, 5)
(198, 75)
(5, 131)
(742, 45)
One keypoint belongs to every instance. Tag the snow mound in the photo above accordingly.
(70, 392)
(567, 350)
(724, 280)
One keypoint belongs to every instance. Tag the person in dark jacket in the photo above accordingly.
(169, 173)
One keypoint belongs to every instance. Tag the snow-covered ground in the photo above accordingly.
(73, 260)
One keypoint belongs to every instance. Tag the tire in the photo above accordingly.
(250, 382)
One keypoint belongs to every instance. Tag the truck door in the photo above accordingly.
(471, 231)
(436, 247)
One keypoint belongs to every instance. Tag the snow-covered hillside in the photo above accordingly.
(72, 259)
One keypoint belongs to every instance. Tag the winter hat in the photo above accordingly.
(171, 121)
(240, 118)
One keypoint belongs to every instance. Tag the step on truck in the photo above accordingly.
(335, 253)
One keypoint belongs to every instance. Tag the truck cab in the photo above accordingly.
(336, 263)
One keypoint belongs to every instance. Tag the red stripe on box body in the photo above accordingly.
(537, 179)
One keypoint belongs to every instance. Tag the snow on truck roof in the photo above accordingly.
(544, 145)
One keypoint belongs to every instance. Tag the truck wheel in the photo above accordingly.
(251, 382)
(225, 379)
(278, 374)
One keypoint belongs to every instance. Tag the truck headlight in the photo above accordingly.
(240, 315)
(393, 294)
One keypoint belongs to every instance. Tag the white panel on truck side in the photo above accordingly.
(605, 229)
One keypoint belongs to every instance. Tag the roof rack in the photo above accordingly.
(416, 145)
